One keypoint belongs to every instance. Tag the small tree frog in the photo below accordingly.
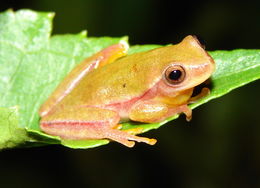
(111, 87)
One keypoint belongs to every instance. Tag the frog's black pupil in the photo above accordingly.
(175, 75)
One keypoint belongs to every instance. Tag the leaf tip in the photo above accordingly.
(50, 15)
(84, 33)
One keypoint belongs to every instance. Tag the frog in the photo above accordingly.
(111, 87)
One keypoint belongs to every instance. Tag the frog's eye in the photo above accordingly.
(174, 74)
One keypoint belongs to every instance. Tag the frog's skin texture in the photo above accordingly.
(107, 88)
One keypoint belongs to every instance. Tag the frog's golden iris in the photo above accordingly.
(174, 74)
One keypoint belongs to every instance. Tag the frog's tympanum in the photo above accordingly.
(111, 87)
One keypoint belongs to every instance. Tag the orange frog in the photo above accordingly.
(111, 87)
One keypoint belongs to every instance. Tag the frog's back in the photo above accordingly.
(125, 79)
(119, 81)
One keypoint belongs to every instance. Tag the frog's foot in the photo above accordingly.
(181, 109)
(129, 134)
(204, 92)
(124, 137)
(187, 111)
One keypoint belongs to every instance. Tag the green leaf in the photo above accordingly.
(11, 134)
(32, 64)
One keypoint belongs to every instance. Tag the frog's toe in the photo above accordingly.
(126, 138)
(126, 142)
(150, 141)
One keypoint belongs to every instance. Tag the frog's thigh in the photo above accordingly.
(79, 122)
(148, 111)
(88, 123)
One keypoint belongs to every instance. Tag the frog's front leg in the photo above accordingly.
(150, 111)
(88, 123)
(105, 56)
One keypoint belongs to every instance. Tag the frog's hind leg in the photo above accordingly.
(89, 123)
